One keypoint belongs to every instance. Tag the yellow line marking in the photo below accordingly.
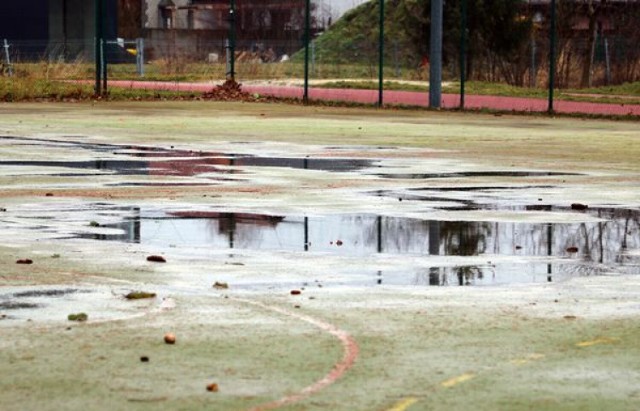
(404, 404)
(529, 358)
(457, 380)
(603, 340)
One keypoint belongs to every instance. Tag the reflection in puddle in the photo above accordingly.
(45, 293)
(192, 167)
(534, 251)
(30, 299)
(154, 161)
(16, 305)
(422, 176)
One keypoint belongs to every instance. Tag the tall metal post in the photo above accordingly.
(435, 54)
(463, 51)
(103, 29)
(307, 40)
(140, 56)
(381, 54)
(231, 74)
(97, 4)
(552, 54)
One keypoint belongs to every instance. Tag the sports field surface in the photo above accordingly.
(316, 258)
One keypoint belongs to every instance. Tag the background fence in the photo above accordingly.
(381, 46)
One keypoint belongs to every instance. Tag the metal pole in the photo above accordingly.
(381, 55)
(435, 55)
(231, 74)
(607, 62)
(103, 67)
(140, 56)
(97, 43)
(307, 28)
(552, 54)
(104, 45)
(463, 43)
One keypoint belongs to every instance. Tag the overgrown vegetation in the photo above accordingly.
(507, 41)
(59, 81)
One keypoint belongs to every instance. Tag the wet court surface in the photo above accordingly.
(452, 247)
(344, 261)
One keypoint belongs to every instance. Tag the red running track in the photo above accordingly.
(407, 98)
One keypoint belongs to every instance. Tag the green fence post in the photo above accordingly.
(231, 74)
(104, 50)
(552, 54)
(307, 39)
(381, 55)
(97, 4)
(435, 55)
(463, 43)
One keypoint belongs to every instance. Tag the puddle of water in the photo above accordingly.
(48, 303)
(481, 188)
(45, 293)
(175, 162)
(16, 301)
(540, 251)
(426, 176)
(535, 248)
(146, 184)
(16, 305)
(362, 148)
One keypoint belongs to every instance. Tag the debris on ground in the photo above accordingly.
(139, 295)
(80, 317)
(156, 259)
(231, 90)
(24, 261)
(170, 338)
(220, 285)
(578, 206)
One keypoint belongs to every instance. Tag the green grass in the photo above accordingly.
(28, 89)
(49, 81)
(628, 93)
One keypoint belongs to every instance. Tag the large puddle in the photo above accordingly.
(510, 252)
(482, 252)
(141, 160)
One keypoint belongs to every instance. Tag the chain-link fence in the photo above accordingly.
(377, 50)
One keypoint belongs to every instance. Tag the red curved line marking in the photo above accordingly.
(349, 356)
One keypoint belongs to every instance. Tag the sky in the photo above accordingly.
(338, 7)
